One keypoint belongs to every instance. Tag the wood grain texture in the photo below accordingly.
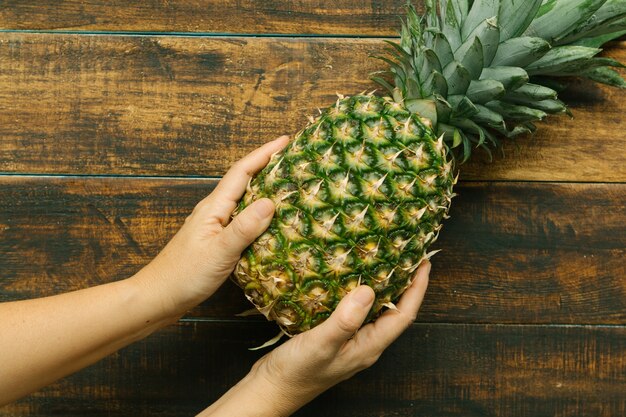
(321, 17)
(144, 109)
(192, 106)
(512, 252)
(432, 370)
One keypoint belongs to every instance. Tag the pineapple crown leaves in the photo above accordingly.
(483, 69)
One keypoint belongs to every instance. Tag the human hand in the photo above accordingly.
(204, 252)
(310, 363)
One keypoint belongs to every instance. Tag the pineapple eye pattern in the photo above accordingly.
(366, 185)
(358, 201)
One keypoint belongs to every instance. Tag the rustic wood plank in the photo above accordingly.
(512, 252)
(337, 17)
(158, 105)
(432, 370)
(192, 106)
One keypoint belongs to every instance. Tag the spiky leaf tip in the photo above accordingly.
(485, 69)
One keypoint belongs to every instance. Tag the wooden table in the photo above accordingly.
(116, 117)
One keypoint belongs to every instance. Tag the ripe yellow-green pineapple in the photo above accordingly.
(362, 191)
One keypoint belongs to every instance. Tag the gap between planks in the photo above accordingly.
(197, 34)
(218, 178)
(192, 320)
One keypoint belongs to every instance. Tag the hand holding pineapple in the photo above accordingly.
(81, 327)
(204, 253)
(311, 362)
(206, 249)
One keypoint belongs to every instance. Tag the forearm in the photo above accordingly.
(256, 396)
(45, 339)
(248, 399)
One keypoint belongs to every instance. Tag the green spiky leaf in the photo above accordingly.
(457, 77)
(426, 108)
(432, 19)
(412, 89)
(430, 63)
(598, 41)
(383, 83)
(481, 10)
(515, 112)
(609, 18)
(558, 18)
(437, 68)
(533, 92)
(450, 26)
(435, 84)
(484, 91)
(470, 55)
(398, 51)
(467, 146)
(394, 67)
(616, 29)
(450, 134)
(515, 16)
(461, 8)
(488, 117)
(468, 126)
(520, 52)
(442, 48)
(492, 139)
(510, 77)
(462, 107)
(456, 140)
(444, 109)
(560, 58)
(489, 35)
(607, 76)
(576, 68)
(550, 106)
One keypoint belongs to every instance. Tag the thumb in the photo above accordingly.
(347, 318)
(245, 227)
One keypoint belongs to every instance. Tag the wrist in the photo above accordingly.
(268, 398)
(156, 298)
(179, 277)
(256, 396)
(284, 393)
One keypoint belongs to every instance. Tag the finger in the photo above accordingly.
(388, 327)
(345, 320)
(244, 229)
(234, 183)
(228, 192)
(412, 298)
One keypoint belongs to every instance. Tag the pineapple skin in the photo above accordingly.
(360, 194)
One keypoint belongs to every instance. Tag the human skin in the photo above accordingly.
(296, 372)
(45, 339)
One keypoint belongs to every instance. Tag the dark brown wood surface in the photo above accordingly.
(185, 106)
(433, 370)
(338, 17)
(109, 135)
(512, 252)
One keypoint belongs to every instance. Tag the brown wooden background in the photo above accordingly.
(116, 117)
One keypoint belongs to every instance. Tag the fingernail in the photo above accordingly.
(363, 296)
(264, 207)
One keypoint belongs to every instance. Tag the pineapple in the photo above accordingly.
(362, 191)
